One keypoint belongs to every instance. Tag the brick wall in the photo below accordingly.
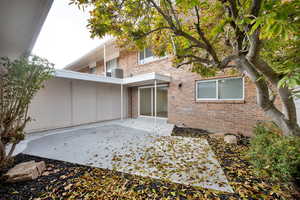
(221, 116)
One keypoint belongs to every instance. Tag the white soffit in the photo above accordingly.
(20, 25)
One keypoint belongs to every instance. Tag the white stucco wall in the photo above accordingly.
(67, 102)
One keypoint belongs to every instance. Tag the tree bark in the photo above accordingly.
(287, 119)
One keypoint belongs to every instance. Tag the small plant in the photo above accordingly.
(20, 80)
(275, 155)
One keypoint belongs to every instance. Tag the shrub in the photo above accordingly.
(275, 155)
(20, 80)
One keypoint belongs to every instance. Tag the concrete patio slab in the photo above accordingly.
(136, 147)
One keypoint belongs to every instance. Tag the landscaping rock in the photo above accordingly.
(25, 171)
(230, 139)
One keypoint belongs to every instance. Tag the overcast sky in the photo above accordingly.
(64, 36)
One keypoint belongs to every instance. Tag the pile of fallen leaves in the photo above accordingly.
(240, 173)
(183, 160)
(105, 184)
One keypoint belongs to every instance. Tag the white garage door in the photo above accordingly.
(67, 102)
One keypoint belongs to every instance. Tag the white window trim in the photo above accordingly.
(148, 59)
(217, 90)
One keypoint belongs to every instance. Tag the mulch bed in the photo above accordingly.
(59, 173)
(72, 181)
(190, 132)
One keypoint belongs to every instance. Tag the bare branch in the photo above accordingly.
(240, 35)
(254, 38)
(209, 48)
(167, 18)
(185, 63)
(191, 38)
(174, 14)
(196, 58)
(154, 30)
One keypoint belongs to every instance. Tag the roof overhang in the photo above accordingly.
(94, 55)
(139, 80)
(20, 25)
(86, 77)
(146, 79)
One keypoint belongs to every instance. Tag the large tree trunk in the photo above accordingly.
(285, 119)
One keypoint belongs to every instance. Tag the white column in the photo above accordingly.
(152, 103)
(122, 101)
(139, 111)
(104, 59)
(155, 100)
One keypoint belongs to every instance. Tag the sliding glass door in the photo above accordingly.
(147, 101)
(146, 107)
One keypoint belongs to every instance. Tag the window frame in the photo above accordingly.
(217, 90)
(93, 70)
(106, 64)
(148, 59)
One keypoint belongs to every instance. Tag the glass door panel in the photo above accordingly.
(162, 101)
(146, 101)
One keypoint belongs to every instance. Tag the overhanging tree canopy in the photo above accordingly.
(259, 38)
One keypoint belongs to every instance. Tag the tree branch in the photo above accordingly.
(263, 97)
(196, 58)
(267, 71)
(226, 61)
(254, 38)
(174, 14)
(254, 45)
(154, 30)
(167, 18)
(255, 7)
(240, 35)
(185, 63)
(209, 47)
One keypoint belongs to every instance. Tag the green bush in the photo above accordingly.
(20, 80)
(275, 155)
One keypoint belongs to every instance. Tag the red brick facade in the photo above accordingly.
(217, 116)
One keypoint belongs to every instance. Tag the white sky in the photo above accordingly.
(64, 36)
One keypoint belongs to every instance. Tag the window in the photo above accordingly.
(111, 64)
(220, 89)
(146, 56)
(93, 70)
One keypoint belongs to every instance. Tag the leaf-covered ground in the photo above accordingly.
(64, 180)
(184, 160)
